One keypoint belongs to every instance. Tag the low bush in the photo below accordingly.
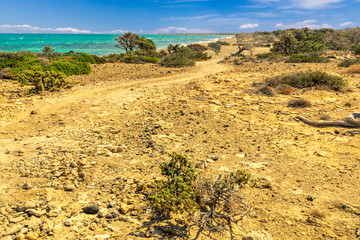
(150, 59)
(216, 47)
(307, 58)
(177, 60)
(177, 192)
(349, 62)
(70, 68)
(214, 202)
(270, 56)
(268, 91)
(43, 81)
(197, 47)
(299, 103)
(356, 49)
(308, 79)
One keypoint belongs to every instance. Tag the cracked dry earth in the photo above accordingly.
(102, 144)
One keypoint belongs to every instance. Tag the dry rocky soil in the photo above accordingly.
(101, 143)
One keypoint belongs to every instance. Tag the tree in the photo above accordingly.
(48, 50)
(127, 41)
(287, 44)
(145, 44)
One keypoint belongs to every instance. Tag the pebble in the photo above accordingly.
(68, 223)
(36, 213)
(70, 187)
(32, 236)
(26, 186)
(103, 212)
(53, 213)
(15, 229)
(102, 237)
(16, 219)
(113, 213)
(92, 209)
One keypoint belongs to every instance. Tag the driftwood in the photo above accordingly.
(351, 121)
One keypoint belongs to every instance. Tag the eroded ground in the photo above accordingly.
(102, 143)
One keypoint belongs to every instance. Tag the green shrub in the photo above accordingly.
(197, 47)
(348, 62)
(150, 59)
(177, 60)
(216, 47)
(307, 58)
(356, 49)
(177, 192)
(43, 81)
(145, 44)
(70, 68)
(308, 79)
(270, 56)
(84, 58)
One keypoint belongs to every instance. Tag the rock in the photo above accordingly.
(93, 226)
(309, 198)
(124, 208)
(27, 205)
(26, 186)
(103, 212)
(70, 187)
(15, 229)
(36, 213)
(47, 226)
(31, 236)
(16, 219)
(102, 237)
(68, 222)
(53, 213)
(33, 222)
(92, 209)
(113, 213)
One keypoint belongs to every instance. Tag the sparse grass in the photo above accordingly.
(271, 56)
(299, 103)
(308, 79)
(285, 89)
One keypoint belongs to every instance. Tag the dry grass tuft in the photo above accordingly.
(317, 213)
(285, 89)
(268, 91)
(299, 103)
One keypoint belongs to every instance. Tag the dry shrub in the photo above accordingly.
(317, 213)
(299, 103)
(354, 69)
(325, 117)
(6, 74)
(285, 89)
(268, 91)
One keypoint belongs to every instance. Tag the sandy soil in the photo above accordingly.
(101, 142)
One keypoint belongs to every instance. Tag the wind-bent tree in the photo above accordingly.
(48, 50)
(127, 41)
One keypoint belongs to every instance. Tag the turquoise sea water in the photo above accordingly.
(98, 44)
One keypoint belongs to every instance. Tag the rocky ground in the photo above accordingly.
(78, 164)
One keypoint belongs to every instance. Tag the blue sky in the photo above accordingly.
(174, 16)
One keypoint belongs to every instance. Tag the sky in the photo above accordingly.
(174, 16)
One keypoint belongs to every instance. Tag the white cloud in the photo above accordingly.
(312, 24)
(6, 28)
(312, 4)
(118, 31)
(191, 18)
(170, 30)
(346, 24)
(249, 26)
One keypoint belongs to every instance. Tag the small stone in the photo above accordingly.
(26, 186)
(92, 209)
(70, 187)
(68, 222)
(102, 237)
(124, 208)
(113, 213)
(15, 229)
(16, 219)
(53, 213)
(36, 213)
(309, 198)
(27, 205)
(31, 236)
(103, 212)
(93, 226)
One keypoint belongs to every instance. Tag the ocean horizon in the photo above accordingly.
(97, 44)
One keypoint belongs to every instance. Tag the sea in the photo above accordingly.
(97, 44)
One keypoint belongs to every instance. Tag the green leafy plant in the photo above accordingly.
(43, 81)
(177, 192)
(348, 62)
